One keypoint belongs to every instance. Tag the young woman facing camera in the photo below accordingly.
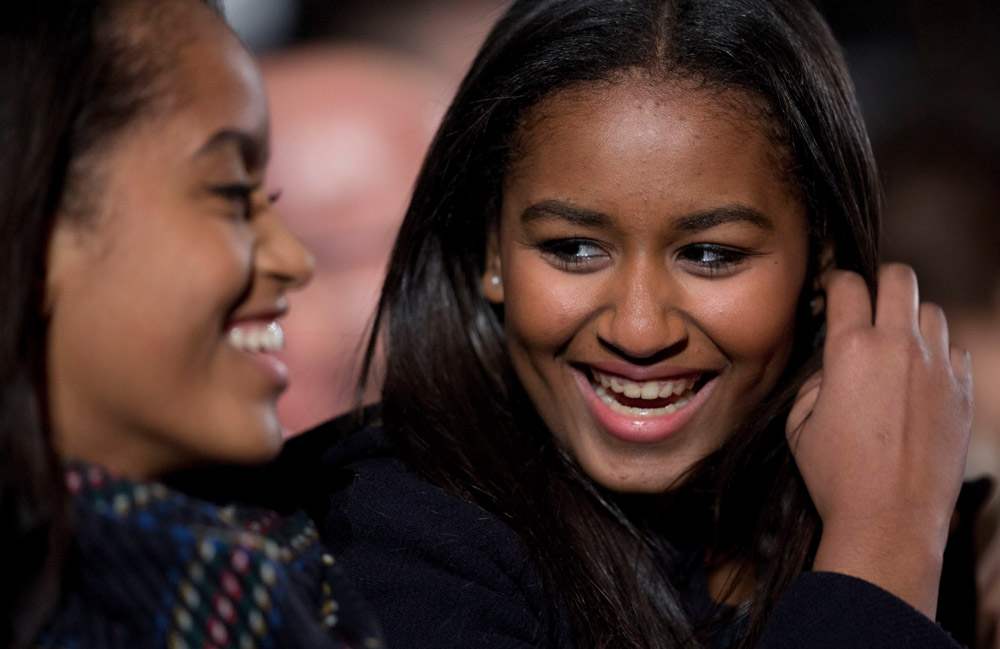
(641, 231)
(144, 276)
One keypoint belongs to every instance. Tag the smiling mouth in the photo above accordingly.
(257, 337)
(645, 399)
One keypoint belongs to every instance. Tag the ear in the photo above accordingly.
(825, 260)
(492, 271)
(61, 261)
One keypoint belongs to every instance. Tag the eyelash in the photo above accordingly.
(564, 253)
(725, 258)
(242, 194)
(710, 260)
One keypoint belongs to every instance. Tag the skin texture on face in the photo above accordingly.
(183, 248)
(647, 237)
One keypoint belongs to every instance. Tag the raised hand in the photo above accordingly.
(880, 435)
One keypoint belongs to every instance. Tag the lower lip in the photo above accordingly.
(640, 429)
(271, 365)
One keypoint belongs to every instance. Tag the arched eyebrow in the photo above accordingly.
(717, 216)
(696, 222)
(251, 148)
(558, 210)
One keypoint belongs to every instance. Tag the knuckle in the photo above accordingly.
(851, 342)
(912, 347)
(932, 310)
(845, 280)
(897, 273)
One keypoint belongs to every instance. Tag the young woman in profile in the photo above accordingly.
(645, 384)
(143, 276)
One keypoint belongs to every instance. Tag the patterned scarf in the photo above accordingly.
(153, 567)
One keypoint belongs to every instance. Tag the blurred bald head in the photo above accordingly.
(350, 126)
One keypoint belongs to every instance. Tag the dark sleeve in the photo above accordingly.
(438, 572)
(823, 610)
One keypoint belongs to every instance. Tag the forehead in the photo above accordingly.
(648, 139)
(209, 80)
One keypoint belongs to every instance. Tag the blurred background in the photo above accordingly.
(357, 89)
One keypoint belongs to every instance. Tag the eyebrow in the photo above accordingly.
(251, 149)
(717, 216)
(550, 209)
(696, 222)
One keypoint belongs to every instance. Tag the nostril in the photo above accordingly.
(645, 340)
(650, 355)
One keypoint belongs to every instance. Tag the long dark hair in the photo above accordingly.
(451, 400)
(70, 80)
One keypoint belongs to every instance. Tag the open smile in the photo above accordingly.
(643, 411)
(257, 337)
(259, 340)
(644, 398)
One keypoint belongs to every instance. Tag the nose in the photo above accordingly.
(642, 320)
(280, 254)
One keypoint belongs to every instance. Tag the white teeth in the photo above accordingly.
(646, 389)
(650, 391)
(606, 386)
(256, 337)
(628, 411)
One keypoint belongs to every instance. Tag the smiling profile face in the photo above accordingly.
(650, 258)
(164, 298)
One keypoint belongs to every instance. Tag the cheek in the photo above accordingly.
(543, 307)
(752, 318)
(210, 261)
(221, 263)
(176, 285)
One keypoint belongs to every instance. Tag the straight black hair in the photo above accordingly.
(451, 400)
(69, 81)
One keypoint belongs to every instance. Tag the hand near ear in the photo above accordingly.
(880, 435)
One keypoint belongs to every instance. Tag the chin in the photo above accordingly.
(257, 441)
(639, 485)
(633, 479)
(268, 446)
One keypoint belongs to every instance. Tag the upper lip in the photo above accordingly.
(638, 373)
(264, 313)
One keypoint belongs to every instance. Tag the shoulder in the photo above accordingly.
(368, 486)
(439, 571)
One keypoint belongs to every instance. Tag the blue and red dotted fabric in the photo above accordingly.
(152, 567)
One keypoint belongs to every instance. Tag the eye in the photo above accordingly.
(577, 255)
(712, 259)
(241, 196)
